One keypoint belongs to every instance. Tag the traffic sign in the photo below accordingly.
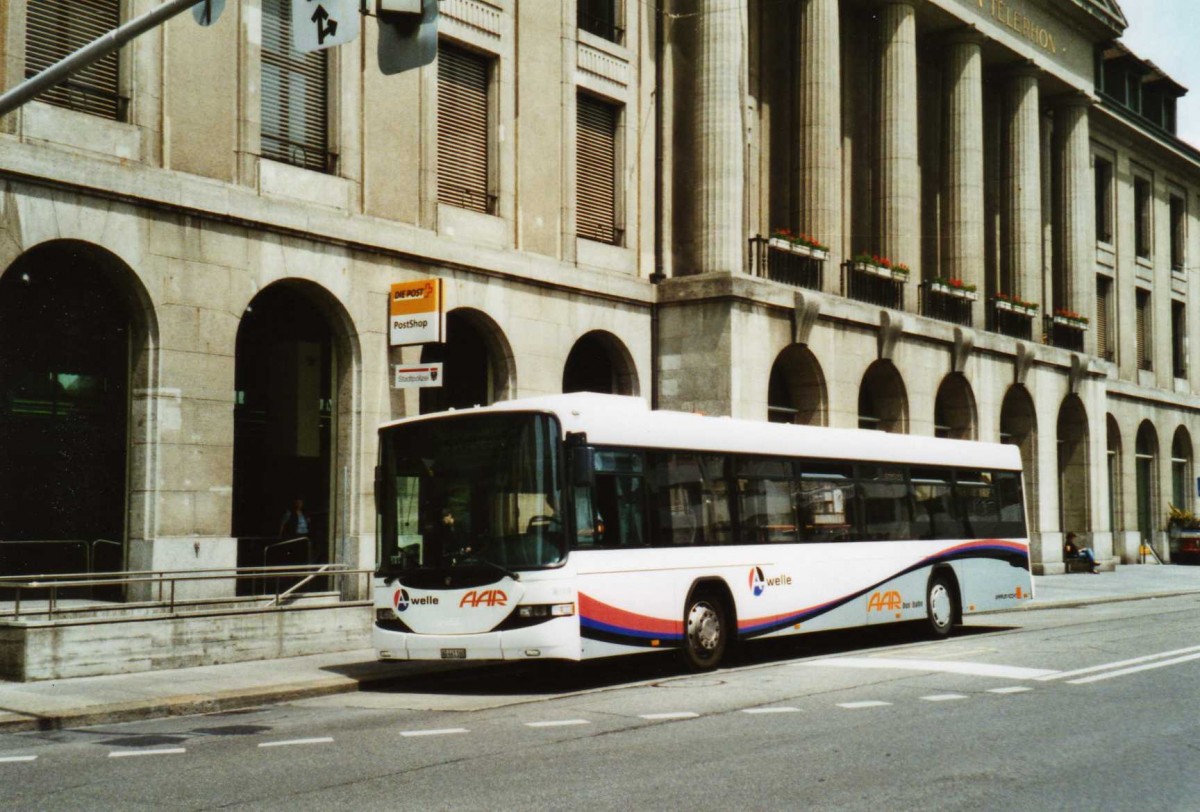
(206, 12)
(406, 41)
(320, 24)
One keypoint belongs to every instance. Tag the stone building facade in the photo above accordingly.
(965, 218)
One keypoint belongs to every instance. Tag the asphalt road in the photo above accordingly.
(1090, 708)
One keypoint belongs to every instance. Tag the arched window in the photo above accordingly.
(882, 400)
(796, 390)
(954, 409)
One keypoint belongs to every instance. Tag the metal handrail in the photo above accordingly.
(166, 581)
(267, 548)
(287, 593)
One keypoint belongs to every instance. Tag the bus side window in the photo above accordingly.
(692, 500)
(976, 497)
(1011, 522)
(935, 514)
(825, 502)
(887, 509)
(620, 511)
(766, 501)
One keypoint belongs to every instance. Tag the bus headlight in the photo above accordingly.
(546, 610)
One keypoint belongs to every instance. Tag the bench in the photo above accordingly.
(1077, 565)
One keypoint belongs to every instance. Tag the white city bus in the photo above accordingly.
(580, 526)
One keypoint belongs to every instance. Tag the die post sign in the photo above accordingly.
(415, 313)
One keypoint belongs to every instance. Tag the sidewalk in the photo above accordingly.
(126, 697)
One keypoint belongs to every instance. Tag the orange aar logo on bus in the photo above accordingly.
(484, 597)
(884, 601)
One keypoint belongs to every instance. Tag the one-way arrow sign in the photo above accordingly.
(318, 24)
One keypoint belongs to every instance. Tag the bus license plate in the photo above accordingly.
(454, 654)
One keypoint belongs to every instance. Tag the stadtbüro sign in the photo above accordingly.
(418, 376)
(415, 313)
(320, 24)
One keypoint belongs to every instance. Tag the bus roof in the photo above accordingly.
(620, 420)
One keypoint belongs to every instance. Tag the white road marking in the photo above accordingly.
(558, 723)
(446, 731)
(939, 666)
(1126, 671)
(166, 751)
(943, 697)
(868, 704)
(1119, 664)
(676, 715)
(289, 742)
(783, 709)
(1011, 689)
(14, 759)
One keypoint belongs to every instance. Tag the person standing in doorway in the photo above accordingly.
(295, 522)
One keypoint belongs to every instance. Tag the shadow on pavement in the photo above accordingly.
(552, 677)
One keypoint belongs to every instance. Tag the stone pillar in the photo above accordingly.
(963, 213)
(718, 237)
(820, 129)
(1022, 193)
(899, 173)
(1076, 209)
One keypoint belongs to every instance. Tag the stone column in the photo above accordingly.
(963, 213)
(1076, 209)
(1022, 194)
(820, 129)
(899, 173)
(718, 237)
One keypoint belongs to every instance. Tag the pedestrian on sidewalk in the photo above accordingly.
(1072, 550)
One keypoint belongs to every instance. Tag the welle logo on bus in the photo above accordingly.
(759, 582)
(415, 313)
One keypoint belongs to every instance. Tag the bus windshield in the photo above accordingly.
(470, 491)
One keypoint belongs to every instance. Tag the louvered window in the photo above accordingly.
(464, 130)
(596, 171)
(57, 28)
(1103, 299)
(1143, 330)
(295, 95)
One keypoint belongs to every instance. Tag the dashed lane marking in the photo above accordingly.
(674, 715)
(290, 742)
(166, 751)
(784, 709)
(871, 703)
(558, 723)
(943, 697)
(1010, 689)
(937, 666)
(15, 759)
(446, 731)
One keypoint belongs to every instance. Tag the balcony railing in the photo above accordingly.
(1012, 320)
(941, 301)
(873, 284)
(789, 264)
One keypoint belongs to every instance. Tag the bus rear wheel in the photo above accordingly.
(940, 606)
(705, 632)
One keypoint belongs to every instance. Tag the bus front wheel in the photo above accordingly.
(939, 603)
(706, 632)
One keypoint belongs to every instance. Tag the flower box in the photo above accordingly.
(780, 244)
(1021, 310)
(950, 290)
(878, 270)
(1066, 321)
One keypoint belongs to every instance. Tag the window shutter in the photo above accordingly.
(1143, 348)
(463, 132)
(595, 171)
(295, 88)
(56, 28)
(1102, 341)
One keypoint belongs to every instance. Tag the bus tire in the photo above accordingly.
(705, 631)
(940, 605)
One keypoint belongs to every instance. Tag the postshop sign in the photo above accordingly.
(415, 313)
